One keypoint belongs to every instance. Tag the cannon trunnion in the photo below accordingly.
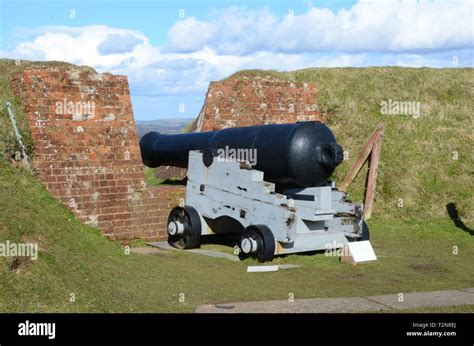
(268, 184)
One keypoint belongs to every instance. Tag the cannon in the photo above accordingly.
(301, 154)
(267, 184)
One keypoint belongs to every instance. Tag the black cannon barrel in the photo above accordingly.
(302, 154)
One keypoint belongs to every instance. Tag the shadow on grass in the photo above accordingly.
(453, 214)
(181, 182)
(229, 240)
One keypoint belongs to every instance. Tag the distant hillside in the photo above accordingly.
(173, 125)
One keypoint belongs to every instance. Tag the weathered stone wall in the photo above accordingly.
(87, 153)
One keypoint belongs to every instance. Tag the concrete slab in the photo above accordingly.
(347, 304)
(214, 254)
(161, 245)
(165, 246)
(146, 250)
(315, 305)
(424, 299)
(470, 289)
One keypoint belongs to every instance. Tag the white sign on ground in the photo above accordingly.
(259, 269)
(358, 251)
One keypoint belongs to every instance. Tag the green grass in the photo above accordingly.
(413, 255)
(150, 177)
(191, 126)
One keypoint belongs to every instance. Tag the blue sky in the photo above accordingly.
(171, 50)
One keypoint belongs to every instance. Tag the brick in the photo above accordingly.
(82, 159)
(257, 100)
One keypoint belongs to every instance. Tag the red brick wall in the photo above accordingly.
(87, 153)
(253, 100)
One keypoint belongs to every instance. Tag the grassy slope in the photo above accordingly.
(416, 163)
(414, 255)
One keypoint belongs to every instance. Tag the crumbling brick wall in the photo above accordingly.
(254, 100)
(87, 153)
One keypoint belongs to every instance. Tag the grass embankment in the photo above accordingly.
(73, 258)
(418, 164)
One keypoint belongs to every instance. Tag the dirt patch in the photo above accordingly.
(36, 240)
(19, 264)
(354, 277)
(427, 267)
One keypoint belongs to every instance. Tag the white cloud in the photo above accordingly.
(154, 71)
(190, 34)
(81, 45)
(413, 34)
(383, 26)
(118, 43)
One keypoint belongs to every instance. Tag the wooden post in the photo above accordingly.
(372, 176)
(371, 152)
(363, 156)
